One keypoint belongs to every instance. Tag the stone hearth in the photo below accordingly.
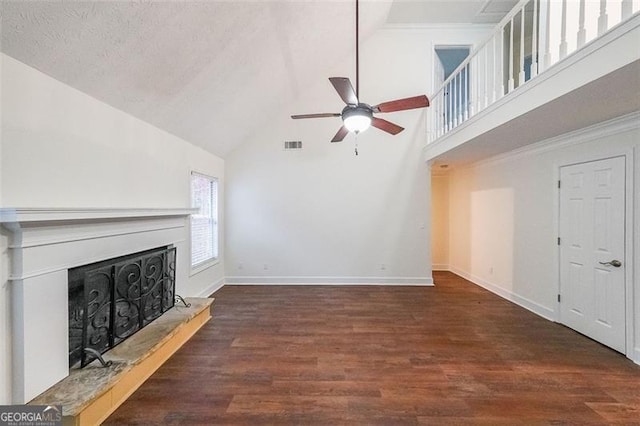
(89, 395)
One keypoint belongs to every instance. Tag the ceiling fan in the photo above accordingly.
(358, 116)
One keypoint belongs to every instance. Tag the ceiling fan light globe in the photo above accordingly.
(357, 118)
(357, 123)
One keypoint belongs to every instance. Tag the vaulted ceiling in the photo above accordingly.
(210, 72)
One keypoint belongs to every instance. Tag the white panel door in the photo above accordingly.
(592, 271)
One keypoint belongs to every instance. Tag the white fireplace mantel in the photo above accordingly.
(44, 244)
(17, 215)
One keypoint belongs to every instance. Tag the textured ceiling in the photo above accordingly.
(210, 72)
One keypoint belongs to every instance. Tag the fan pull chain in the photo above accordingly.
(357, 144)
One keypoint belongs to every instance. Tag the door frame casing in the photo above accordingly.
(629, 235)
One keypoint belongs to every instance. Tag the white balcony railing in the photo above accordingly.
(532, 37)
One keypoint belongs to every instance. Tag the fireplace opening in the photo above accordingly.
(112, 299)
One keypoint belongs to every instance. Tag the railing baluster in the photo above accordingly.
(454, 91)
(439, 115)
(466, 92)
(511, 82)
(434, 122)
(626, 9)
(443, 114)
(485, 72)
(470, 100)
(474, 80)
(438, 118)
(534, 41)
(546, 59)
(445, 117)
(460, 114)
(450, 109)
(500, 64)
(603, 19)
(465, 88)
(521, 73)
(449, 94)
(490, 80)
(476, 85)
(435, 115)
(429, 124)
(563, 31)
(495, 70)
(458, 99)
(480, 95)
(582, 31)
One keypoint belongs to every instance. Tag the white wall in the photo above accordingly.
(5, 324)
(503, 215)
(323, 214)
(62, 148)
(440, 221)
(5, 314)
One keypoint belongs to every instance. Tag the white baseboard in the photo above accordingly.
(529, 305)
(440, 267)
(212, 288)
(266, 280)
(636, 356)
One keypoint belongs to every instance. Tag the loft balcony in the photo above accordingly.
(548, 68)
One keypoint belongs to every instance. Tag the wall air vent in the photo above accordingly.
(289, 145)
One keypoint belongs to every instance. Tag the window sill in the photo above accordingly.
(200, 267)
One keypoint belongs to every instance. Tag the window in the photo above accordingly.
(204, 223)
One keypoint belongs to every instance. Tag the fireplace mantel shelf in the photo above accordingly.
(23, 215)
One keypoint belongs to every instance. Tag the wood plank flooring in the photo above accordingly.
(329, 355)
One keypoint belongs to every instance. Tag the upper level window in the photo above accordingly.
(204, 223)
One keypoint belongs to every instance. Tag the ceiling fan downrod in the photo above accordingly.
(357, 116)
(357, 50)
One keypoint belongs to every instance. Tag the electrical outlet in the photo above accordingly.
(383, 267)
(265, 266)
(491, 270)
(240, 266)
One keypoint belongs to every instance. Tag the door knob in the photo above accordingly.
(614, 263)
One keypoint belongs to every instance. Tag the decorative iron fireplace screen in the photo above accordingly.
(111, 300)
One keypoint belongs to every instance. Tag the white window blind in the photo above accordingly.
(204, 223)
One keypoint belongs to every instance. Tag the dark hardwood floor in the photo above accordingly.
(327, 355)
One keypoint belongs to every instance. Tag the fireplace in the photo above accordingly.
(111, 300)
(44, 245)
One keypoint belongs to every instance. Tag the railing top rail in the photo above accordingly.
(507, 18)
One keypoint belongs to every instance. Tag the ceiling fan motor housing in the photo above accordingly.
(360, 110)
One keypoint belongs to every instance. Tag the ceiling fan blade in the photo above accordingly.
(345, 90)
(320, 115)
(403, 104)
(387, 126)
(340, 135)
